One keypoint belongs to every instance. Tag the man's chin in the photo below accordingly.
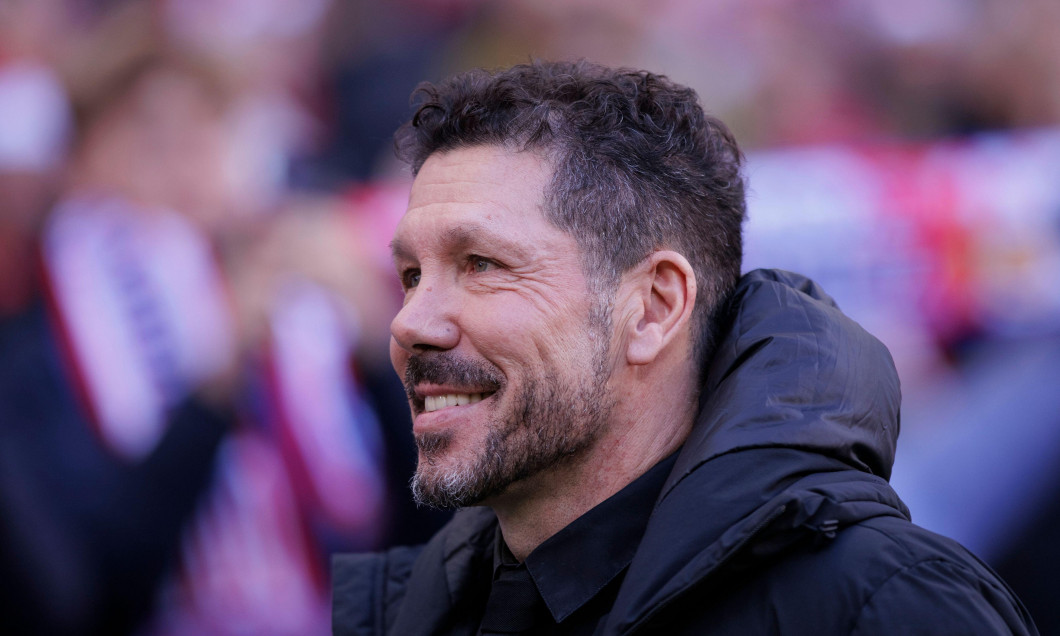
(446, 489)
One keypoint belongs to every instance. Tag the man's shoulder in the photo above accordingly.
(833, 552)
(914, 581)
(878, 576)
(886, 575)
(369, 590)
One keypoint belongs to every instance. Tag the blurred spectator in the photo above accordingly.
(198, 321)
(106, 444)
(271, 51)
(307, 476)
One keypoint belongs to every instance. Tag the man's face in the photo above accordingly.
(505, 372)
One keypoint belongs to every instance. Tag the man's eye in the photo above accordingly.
(410, 278)
(479, 264)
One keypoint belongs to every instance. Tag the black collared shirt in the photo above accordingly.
(578, 570)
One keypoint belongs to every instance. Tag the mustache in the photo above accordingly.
(447, 368)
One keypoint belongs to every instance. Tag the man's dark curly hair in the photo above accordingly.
(637, 164)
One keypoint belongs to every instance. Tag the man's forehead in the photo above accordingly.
(479, 172)
(471, 195)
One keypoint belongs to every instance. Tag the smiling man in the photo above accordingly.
(511, 359)
(638, 440)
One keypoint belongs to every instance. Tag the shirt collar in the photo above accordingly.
(574, 564)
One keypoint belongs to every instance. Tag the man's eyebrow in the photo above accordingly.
(470, 236)
(398, 250)
(473, 235)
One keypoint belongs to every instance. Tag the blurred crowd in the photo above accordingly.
(196, 198)
(196, 405)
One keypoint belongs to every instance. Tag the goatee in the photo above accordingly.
(550, 422)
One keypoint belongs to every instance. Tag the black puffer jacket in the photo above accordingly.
(777, 518)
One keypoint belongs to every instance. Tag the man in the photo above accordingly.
(638, 440)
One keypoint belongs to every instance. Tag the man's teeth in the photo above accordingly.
(435, 402)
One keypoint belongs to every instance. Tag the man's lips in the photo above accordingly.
(430, 399)
(432, 403)
(439, 411)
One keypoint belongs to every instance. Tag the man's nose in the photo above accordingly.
(427, 321)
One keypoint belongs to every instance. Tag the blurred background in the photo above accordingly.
(196, 196)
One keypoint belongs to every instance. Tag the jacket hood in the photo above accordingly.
(795, 439)
(792, 371)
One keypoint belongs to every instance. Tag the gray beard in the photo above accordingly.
(551, 423)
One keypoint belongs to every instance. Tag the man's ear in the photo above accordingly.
(667, 291)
